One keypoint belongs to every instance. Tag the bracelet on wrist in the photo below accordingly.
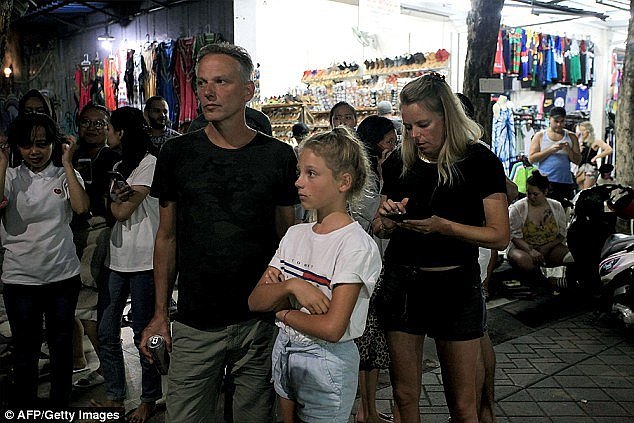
(284, 317)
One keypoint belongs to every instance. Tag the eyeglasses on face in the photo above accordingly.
(97, 124)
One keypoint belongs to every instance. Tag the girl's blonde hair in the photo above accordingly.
(588, 127)
(432, 92)
(343, 153)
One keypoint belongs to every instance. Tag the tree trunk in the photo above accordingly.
(624, 165)
(5, 20)
(483, 23)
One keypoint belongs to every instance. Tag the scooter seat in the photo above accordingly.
(615, 243)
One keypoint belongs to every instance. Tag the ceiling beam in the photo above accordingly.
(102, 10)
(45, 9)
(562, 9)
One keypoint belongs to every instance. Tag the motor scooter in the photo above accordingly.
(592, 234)
(617, 278)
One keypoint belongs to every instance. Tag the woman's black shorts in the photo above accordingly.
(446, 305)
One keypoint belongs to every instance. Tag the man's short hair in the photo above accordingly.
(384, 108)
(97, 107)
(557, 112)
(236, 52)
(153, 99)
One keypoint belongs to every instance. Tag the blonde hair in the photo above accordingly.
(588, 127)
(343, 153)
(432, 92)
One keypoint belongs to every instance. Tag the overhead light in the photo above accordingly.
(8, 71)
(105, 36)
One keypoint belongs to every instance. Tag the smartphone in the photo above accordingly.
(397, 217)
(84, 167)
(118, 178)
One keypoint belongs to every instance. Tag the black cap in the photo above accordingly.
(557, 111)
(606, 168)
(300, 130)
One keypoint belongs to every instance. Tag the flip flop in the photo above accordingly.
(91, 379)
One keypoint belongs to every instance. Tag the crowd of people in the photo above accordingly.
(301, 271)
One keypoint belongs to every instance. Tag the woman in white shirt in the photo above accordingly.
(130, 261)
(40, 266)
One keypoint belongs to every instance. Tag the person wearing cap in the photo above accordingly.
(552, 150)
(384, 109)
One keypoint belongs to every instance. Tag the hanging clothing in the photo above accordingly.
(565, 63)
(575, 62)
(498, 64)
(551, 65)
(535, 60)
(589, 70)
(164, 66)
(503, 137)
(122, 93)
(515, 43)
(204, 39)
(140, 74)
(583, 99)
(184, 79)
(109, 82)
(525, 55)
(150, 80)
(558, 56)
(129, 77)
(82, 86)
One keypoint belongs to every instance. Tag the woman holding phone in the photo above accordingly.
(131, 251)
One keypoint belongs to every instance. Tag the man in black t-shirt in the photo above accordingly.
(226, 197)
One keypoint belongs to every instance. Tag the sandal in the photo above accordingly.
(92, 379)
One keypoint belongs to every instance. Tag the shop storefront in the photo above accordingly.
(311, 54)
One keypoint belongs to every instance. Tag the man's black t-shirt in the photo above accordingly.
(226, 234)
(480, 174)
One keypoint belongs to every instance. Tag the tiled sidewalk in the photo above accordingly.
(573, 370)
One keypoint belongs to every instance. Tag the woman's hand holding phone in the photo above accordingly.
(120, 191)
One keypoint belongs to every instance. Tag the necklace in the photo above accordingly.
(426, 159)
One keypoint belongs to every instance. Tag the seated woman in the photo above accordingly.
(538, 228)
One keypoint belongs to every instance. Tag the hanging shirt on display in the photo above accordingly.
(575, 62)
(583, 99)
(498, 64)
(184, 67)
(150, 80)
(164, 66)
(503, 134)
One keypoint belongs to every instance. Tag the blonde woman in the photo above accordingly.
(592, 149)
(452, 190)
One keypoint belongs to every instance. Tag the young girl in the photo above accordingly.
(319, 283)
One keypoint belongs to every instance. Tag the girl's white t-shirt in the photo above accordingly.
(347, 255)
(132, 240)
